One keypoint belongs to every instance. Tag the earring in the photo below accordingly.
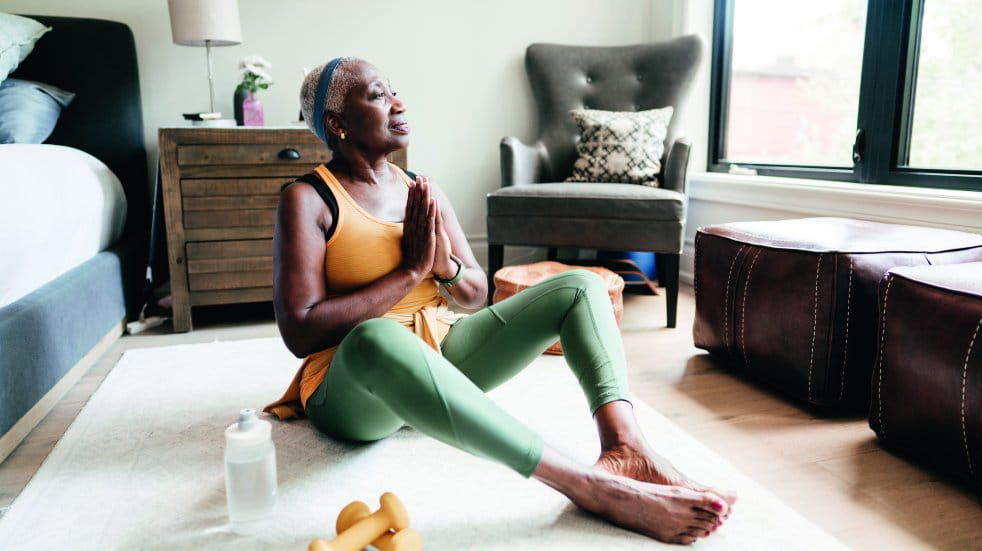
(342, 134)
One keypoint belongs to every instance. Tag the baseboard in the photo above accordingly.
(23, 427)
(686, 268)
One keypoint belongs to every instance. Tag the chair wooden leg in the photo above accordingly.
(660, 269)
(671, 283)
(496, 256)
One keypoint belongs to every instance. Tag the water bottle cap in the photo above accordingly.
(247, 419)
(247, 432)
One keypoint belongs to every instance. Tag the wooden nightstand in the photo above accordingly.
(220, 190)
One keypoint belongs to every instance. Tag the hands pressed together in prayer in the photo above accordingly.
(425, 245)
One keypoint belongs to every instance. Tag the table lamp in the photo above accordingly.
(205, 23)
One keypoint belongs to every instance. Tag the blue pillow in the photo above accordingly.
(17, 37)
(29, 110)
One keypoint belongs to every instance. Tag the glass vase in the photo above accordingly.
(252, 111)
(239, 97)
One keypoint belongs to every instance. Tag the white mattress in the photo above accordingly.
(58, 208)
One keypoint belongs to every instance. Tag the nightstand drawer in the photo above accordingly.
(219, 281)
(223, 265)
(232, 186)
(252, 154)
(230, 208)
(229, 296)
(230, 249)
(242, 218)
(247, 255)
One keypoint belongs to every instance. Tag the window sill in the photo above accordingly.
(954, 209)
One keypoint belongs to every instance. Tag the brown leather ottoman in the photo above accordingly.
(792, 303)
(512, 279)
(927, 385)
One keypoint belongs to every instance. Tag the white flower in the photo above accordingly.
(261, 73)
(254, 61)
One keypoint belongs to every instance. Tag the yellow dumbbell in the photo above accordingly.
(406, 539)
(392, 515)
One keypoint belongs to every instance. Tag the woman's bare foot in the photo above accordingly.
(642, 463)
(669, 513)
(625, 452)
(672, 514)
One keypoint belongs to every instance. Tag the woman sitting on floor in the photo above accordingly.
(360, 252)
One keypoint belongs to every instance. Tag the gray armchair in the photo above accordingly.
(535, 207)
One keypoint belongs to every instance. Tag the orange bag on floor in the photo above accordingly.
(512, 279)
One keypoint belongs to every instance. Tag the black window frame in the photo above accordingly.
(889, 71)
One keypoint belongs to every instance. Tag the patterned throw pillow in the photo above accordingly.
(620, 146)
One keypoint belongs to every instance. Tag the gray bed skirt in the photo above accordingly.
(44, 334)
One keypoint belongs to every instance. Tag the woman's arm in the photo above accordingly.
(472, 290)
(308, 320)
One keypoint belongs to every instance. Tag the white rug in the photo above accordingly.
(141, 468)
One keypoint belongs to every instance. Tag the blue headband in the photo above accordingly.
(323, 85)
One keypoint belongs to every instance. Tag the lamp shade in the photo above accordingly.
(192, 22)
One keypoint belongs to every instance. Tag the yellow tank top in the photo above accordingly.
(362, 249)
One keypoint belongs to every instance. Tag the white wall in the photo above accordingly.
(457, 64)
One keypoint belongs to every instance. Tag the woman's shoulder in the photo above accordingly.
(308, 185)
(302, 197)
(299, 189)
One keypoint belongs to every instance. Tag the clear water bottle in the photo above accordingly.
(250, 473)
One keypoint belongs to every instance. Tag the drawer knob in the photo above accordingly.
(289, 153)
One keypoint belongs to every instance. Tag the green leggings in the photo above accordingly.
(383, 376)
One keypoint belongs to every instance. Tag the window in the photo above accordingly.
(878, 91)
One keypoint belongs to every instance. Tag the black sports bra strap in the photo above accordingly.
(326, 194)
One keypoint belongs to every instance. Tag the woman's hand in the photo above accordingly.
(419, 230)
(443, 266)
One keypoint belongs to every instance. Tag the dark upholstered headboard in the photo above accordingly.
(96, 59)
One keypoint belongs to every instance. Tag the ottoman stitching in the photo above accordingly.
(845, 346)
(743, 311)
(811, 359)
(968, 455)
(726, 303)
(879, 378)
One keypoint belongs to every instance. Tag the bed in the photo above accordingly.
(52, 334)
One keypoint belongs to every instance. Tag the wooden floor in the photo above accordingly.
(832, 471)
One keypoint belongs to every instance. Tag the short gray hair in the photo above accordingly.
(342, 81)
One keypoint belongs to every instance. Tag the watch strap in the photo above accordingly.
(457, 277)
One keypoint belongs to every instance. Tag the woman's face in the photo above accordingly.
(373, 119)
